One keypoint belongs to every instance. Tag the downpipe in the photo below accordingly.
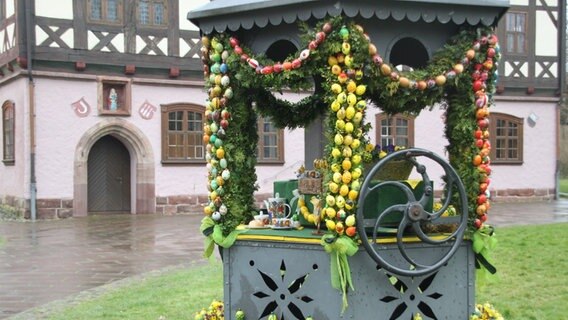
(31, 96)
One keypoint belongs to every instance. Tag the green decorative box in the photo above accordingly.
(382, 198)
(374, 205)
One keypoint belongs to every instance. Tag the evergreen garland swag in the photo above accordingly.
(252, 91)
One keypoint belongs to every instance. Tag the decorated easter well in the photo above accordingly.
(398, 260)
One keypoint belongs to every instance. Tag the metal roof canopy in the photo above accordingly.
(224, 15)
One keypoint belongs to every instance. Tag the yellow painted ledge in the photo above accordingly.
(311, 239)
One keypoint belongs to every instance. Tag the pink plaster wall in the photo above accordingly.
(59, 131)
(14, 179)
(539, 150)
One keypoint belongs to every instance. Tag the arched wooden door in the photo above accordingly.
(108, 177)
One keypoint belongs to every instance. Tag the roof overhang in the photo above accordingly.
(232, 15)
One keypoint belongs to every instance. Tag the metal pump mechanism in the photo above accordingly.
(416, 221)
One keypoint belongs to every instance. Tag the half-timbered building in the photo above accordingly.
(103, 103)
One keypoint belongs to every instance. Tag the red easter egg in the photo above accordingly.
(296, 63)
(234, 42)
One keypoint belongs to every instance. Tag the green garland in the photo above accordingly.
(394, 92)
(287, 114)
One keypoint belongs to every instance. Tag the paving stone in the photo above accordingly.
(45, 261)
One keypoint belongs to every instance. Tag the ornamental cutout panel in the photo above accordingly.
(293, 282)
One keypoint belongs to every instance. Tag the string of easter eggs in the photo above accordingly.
(217, 119)
(480, 74)
(218, 80)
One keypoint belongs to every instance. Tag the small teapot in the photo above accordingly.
(277, 207)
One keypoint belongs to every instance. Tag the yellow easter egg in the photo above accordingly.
(358, 117)
(353, 195)
(360, 90)
(336, 88)
(346, 164)
(347, 140)
(349, 127)
(336, 69)
(335, 167)
(340, 125)
(220, 153)
(351, 99)
(337, 177)
(356, 159)
(330, 200)
(351, 86)
(330, 213)
(311, 218)
(330, 224)
(340, 114)
(350, 112)
(333, 187)
(338, 139)
(346, 177)
(350, 220)
(332, 60)
(335, 105)
(356, 143)
(356, 173)
(335, 153)
(343, 190)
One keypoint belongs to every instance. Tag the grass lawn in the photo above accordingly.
(175, 295)
(532, 283)
(564, 185)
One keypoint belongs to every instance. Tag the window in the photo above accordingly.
(270, 142)
(397, 130)
(516, 32)
(105, 11)
(182, 133)
(152, 12)
(8, 114)
(506, 137)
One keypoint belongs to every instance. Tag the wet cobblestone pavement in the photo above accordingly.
(50, 260)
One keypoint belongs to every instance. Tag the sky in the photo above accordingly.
(184, 8)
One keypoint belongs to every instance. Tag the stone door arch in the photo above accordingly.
(142, 164)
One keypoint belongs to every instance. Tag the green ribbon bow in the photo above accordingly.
(339, 248)
(484, 241)
(214, 235)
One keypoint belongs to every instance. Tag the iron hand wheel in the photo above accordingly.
(414, 214)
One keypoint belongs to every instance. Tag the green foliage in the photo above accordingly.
(240, 150)
(10, 213)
